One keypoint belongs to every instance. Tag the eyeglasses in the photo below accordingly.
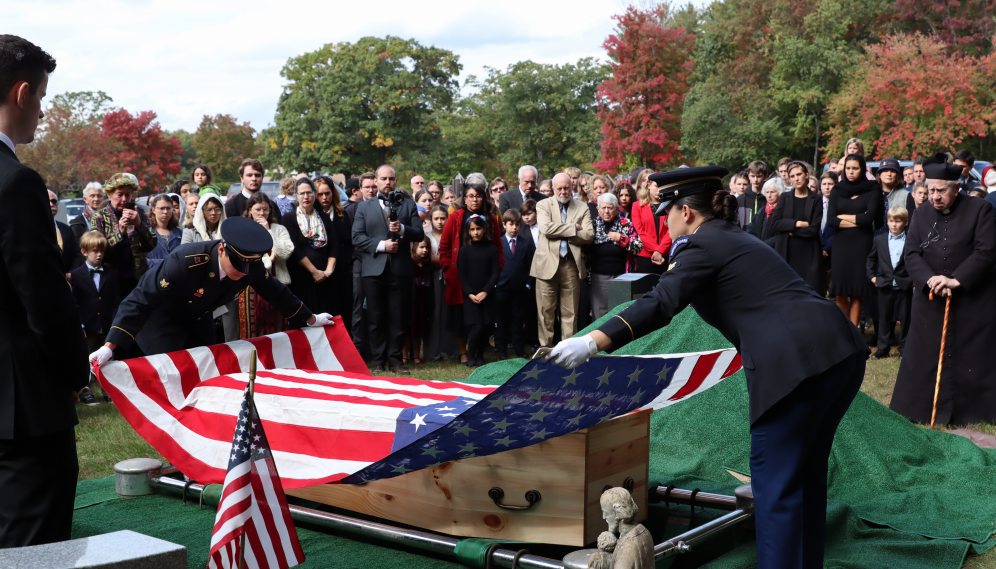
(164, 209)
(212, 210)
(53, 202)
(303, 194)
(265, 211)
(498, 189)
(472, 197)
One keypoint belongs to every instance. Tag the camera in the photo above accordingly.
(129, 205)
(394, 201)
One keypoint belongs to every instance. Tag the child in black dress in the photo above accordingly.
(421, 300)
(479, 271)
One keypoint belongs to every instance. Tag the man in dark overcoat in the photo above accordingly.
(950, 250)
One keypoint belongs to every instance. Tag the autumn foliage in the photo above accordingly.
(146, 151)
(910, 96)
(224, 143)
(640, 104)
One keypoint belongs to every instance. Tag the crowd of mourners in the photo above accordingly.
(444, 268)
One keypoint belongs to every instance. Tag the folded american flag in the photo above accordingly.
(329, 420)
(253, 504)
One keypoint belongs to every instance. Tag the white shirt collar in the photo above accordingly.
(89, 266)
(525, 196)
(221, 271)
(246, 194)
(7, 141)
(901, 236)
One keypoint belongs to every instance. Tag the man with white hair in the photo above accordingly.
(418, 184)
(93, 195)
(950, 251)
(558, 264)
(526, 190)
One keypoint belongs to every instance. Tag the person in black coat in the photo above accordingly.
(42, 350)
(95, 289)
(759, 226)
(887, 271)
(67, 240)
(803, 359)
(796, 224)
(479, 269)
(513, 199)
(316, 248)
(171, 308)
(515, 288)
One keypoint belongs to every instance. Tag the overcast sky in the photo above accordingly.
(184, 58)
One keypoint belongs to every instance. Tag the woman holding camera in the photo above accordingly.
(129, 234)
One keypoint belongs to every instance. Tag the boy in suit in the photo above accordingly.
(514, 286)
(95, 288)
(887, 271)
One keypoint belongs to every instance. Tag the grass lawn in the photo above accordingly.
(104, 438)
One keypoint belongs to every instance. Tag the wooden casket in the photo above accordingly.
(569, 472)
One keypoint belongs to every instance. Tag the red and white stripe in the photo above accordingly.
(253, 502)
(695, 373)
(325, 420)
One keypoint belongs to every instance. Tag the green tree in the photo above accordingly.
(84, 107)
(222, 143)
(539, 114)
(189, 158)
(352, 106)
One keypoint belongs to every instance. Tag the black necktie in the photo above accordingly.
(96, 270)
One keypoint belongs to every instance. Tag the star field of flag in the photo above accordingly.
(248, 442)
(541, 401)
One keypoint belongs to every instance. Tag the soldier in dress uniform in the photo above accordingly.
(803, 359)
(950, 250)
(172, 307)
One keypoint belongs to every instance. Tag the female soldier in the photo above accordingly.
(798, 392)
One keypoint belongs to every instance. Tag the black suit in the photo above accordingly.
(171, 308)
(97, 307)
(236, 205)
(804, 363)
(71, 257)
(894, 301)
(515, 290)
(386, 277)
(42, 362)
(512, 199)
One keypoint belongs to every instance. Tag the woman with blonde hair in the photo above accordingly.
(584, 187)
(651, 227)
(286, 201)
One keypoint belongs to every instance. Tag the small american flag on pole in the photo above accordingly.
(253, 523)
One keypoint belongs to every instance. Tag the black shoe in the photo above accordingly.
(401, 370)
(88, 399)
(377, 369)
(501, 355)
(880, 354)
(107, 398)
(480, 361)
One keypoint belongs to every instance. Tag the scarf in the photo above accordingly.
(847, 189)
(768, 208)
(312, 228)
(200, 224)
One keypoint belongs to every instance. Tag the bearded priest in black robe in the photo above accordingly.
(950, 250)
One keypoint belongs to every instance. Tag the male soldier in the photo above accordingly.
(950, 251)
(171, 308)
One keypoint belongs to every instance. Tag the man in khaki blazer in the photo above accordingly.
(558, 265)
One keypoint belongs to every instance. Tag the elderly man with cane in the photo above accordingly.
(950, 253)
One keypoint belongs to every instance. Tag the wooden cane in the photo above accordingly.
(940, 361)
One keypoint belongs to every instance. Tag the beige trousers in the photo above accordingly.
(565, 286)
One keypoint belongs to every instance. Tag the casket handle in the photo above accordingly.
(496, 494)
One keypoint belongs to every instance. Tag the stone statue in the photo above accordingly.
(627, 545)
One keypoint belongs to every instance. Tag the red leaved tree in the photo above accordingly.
(640, 105)
(961, 24)
(70, 153)
(222, 143)
(908, 97)
(146, 151)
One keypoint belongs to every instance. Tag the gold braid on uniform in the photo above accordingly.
(632, 336)
(123, 330)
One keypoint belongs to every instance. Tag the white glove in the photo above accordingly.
(572, 352)
(322, 319)
(102, 355)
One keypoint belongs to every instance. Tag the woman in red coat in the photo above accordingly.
(652, 229)
(475, 202)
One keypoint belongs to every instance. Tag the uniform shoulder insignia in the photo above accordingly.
(678, 243)
(197, 260)
(163, 283)
(675, 263)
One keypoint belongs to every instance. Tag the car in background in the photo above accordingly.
(69, 209)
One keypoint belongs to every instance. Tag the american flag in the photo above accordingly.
(331, 421)
(253, 504)
(543, 400)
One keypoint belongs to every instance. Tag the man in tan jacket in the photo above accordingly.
(558, 265)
